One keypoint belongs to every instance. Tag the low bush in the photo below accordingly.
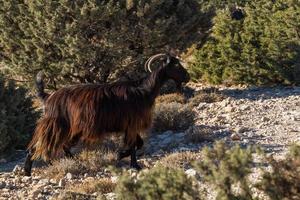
(85, 162)
(205, 97)
(169, 98)
(158, 183)
(225, 168)
(102, 186)
(172, 116)
(198, 134)
(283, 181)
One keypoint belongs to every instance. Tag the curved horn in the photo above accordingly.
(151, 59)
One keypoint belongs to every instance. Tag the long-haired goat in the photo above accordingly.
(87, 112)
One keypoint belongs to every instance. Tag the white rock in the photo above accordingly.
(245, 107)
(114, 179)
(190, 172)
(110, 196)
(62, 183)
(26, 179)
(43, 181)
(53, 181)
(229, 109)
(69, 176)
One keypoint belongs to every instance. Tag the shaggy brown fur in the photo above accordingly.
(90, 111)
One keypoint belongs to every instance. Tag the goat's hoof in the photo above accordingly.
(26, 173)
(136, 166)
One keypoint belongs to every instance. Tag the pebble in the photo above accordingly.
(2, 185)
(191, 172)
(69, 176)
(235, 136)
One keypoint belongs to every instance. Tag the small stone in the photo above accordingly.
(241, 129)
(245, 107)
(2, 185)
(110, 196)
(62, 183)
(235, 136)
(53, 181)
(69, 176)
(114, 179)
(246, 141)
(190, 172)
(201, 106)
(26, 179)
(265, 119)
(43, 181)
(229, 109)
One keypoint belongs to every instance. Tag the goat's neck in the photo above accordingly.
(154, 82)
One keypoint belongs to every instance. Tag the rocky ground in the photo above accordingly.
(268, 117)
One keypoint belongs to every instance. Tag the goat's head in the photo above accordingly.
(173, 68)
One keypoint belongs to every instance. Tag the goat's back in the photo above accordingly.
(92, 110)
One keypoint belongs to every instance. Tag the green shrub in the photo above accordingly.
(262, 48)
(172, 116)
(283, 181)
(92, 41)
(158, 183)
(17, 116)
(224, 168)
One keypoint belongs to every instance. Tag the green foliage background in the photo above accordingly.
(262, 48)
(17, 116)
(92, 41)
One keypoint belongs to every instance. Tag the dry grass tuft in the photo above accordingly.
(102, 186)
(68, 195)
(197, 134)
(172, 116)
(86, 162)
(169, 98)
(205, 97)
(179, 160)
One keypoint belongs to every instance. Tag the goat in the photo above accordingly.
(87, 112)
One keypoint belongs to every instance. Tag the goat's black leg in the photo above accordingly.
(133, 162)
(69, 145)
(125, 153)
(139, 142)
(28, 164)
(68, 152)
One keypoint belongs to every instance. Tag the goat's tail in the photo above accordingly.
(49, 137)
(39, 82)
